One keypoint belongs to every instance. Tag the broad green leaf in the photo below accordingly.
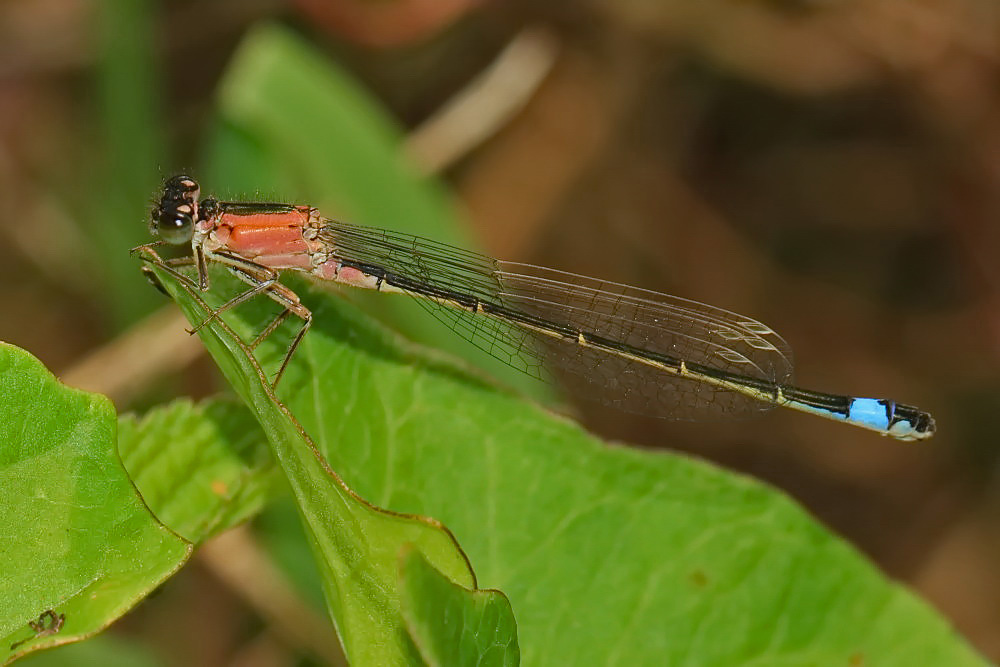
(75, 538)
(281, 533)
(200, 468)
(451, 625)
(357, 544)
(608, 555)
(294, 127)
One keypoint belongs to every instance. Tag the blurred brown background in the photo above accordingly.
(829, 167)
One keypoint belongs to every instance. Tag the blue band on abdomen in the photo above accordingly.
(873, 412)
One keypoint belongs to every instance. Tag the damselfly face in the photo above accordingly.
(173, 218)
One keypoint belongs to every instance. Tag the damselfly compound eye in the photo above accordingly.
(175, 227)
(173, 218)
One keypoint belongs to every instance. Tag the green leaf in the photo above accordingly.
(75, 537)
(200, 468)
(451, 625)
(294, 127)
(607, 554)
(356, 544)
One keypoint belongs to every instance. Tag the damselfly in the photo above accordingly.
(635, 349)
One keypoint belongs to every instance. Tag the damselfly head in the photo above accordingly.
(174, 216)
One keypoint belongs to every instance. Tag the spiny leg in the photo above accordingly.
(262, 280)
(290, 300)
(306, 323)
(265, 282)
(168, 266)
(275, 323)
(259, 285)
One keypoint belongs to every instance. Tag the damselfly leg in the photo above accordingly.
(261, 280)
